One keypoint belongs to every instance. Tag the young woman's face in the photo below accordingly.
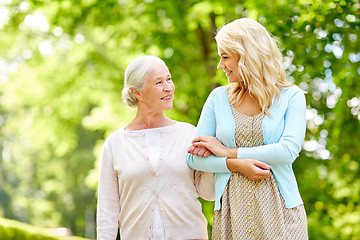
(158, 91)
(229, 64)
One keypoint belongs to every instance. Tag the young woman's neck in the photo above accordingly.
(147, 119)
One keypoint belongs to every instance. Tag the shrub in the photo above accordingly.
(14, 230)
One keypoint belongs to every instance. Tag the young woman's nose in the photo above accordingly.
(220, 65)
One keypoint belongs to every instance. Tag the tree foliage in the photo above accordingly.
(62, 65)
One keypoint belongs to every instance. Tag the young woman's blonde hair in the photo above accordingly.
(260, 66)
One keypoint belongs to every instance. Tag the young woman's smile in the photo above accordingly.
(229, 64)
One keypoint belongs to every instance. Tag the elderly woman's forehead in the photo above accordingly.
(158, 69)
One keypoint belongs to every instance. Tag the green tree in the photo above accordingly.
(62, 65)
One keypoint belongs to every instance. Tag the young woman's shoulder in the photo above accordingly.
(293, 91)
(218, 93)
(219, 90)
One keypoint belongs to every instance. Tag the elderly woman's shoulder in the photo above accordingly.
(116, 135)
(185, 125)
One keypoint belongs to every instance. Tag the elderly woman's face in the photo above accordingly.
(158, 92)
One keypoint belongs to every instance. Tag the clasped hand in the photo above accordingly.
(204, 146)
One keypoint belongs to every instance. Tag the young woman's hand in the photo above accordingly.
(215, 146)
(251, 168)
(199, 151)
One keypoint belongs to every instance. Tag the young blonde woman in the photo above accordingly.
(146, 190)
(254, 128)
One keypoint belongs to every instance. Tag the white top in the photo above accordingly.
(152, 138)
(130, 189)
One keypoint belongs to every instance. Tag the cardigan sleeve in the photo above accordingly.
(207, 126)
(108, 208)
(204, 183)
(287, 149)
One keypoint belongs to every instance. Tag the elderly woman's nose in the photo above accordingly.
(168, 86)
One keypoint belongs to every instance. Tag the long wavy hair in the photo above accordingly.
(261, 71)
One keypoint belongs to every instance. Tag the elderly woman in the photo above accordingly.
(146, 188)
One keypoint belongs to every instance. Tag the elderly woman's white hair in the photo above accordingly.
(135, 76)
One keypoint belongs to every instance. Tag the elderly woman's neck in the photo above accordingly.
(147, 120)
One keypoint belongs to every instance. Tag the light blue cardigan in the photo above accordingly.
(283, 134)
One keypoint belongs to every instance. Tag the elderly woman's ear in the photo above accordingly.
(136, 93)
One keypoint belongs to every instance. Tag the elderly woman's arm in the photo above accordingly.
(204, 183)
(108, 208)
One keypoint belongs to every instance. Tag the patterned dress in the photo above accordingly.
(255, 209)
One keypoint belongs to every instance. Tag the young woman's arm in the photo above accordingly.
(199, 159)
(285, 151)
(207, 126)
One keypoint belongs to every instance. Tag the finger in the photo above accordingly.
(262, 165)
(262, 174)
(191, 149)
(200, 144)
(201, 151)
(207, 153)
(196, 151)
(200, 138)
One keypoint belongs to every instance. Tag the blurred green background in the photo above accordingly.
(61, 75)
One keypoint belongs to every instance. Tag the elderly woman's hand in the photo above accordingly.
(199, 151)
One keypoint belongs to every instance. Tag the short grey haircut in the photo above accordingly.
(135, 76)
